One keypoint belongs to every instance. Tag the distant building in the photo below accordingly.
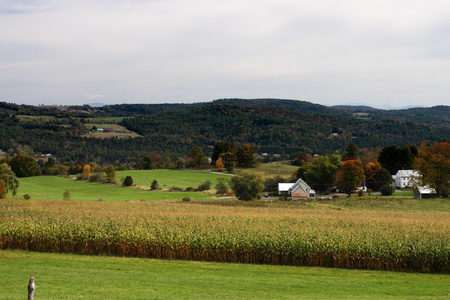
(406, 178)
(299, 189)
(423, 192)
(108, 129)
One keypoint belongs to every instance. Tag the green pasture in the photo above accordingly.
(52, 188)
(170, 178)
(67, 276)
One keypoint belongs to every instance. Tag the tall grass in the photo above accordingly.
(362, 239)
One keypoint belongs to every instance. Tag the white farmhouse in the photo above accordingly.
(406, 178)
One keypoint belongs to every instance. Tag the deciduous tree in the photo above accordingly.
(229, 159)
(382, 178)
(350, 176)
(321, 175)
(110, 174)
(351, 151)
(197, 154)
(371, 171)
(246, 157)
(219, 164)
(248, 186)
(23, 165)
(433, 164)
(9, 179)
(86, 172)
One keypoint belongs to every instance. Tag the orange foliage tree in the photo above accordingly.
(219, 164)
(433, 163)
(350, 176)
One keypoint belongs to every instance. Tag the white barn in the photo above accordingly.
(298, 189)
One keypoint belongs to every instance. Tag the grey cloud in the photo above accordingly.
(328, 52)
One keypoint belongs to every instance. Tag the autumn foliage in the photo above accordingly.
(433, 163)
(350, 176)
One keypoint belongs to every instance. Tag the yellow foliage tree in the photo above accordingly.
(86, 172)
(219, 164)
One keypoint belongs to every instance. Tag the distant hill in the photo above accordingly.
(270, 125)
(436, 115)
(296, 105)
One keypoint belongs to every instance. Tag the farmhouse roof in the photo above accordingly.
(285, 187)
(407, 173)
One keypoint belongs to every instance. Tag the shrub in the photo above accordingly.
(387, 190)
(128, 181)
(26, 196)
(186, 199)
(154, 185)
(189, 189)
(221, 187)
(93, 178)
(360, 193)
(204, 186)
(66, 195)
(174, 189)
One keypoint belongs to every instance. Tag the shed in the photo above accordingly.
(424, 192)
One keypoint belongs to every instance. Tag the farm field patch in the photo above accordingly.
(392, 240)
(119, 131)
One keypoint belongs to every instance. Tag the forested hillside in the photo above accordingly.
(272, 126)
(436, 115)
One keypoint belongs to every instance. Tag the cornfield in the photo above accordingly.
(362, 239)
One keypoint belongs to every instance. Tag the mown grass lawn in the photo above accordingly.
(66, 276)
(52, 188)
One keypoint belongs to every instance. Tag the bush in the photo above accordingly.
(128, 181)
(221, 186)
(360, 193)
(175, 189)
(204, 186)
(66, 195)
(93, 178)
(189, 189)
(154, 185)
(26, 196)
(387, 190)
(186, 199)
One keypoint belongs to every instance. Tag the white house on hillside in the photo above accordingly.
(406, 178)
(299, 189)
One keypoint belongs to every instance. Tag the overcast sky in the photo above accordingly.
(173, 51)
